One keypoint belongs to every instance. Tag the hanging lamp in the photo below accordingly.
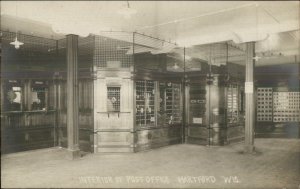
(175, 66)
(16, 43)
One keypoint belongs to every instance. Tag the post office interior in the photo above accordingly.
(193, 80)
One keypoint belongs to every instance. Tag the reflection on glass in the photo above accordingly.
(38, 98)
(14, 98)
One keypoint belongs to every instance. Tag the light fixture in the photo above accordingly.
(175, 66)
(256, 58)
(17, 43)
(126, 11)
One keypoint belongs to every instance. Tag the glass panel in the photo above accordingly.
(38, 96)
(13, 98)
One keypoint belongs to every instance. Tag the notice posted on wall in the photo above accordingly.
(249, 87)
(197, 120)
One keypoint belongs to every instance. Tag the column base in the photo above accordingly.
(249, 149)
(73, 154)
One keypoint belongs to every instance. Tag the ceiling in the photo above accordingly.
(273, 24)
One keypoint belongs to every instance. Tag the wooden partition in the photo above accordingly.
(28, 115)
(113, 112)
(85, 114)
(215, 106)
(197, 115)
(158, 116)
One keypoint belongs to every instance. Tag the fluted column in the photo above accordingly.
(72, 96)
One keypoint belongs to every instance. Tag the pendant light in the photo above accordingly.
(16, 43)
(175, 66)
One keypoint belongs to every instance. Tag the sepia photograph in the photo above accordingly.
(150, 94)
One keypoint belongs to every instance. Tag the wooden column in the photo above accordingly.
(72, 96)
(249, 100)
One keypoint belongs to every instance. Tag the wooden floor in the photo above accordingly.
(276, 164)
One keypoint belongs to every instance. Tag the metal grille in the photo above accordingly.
(85, 51)
(61, 45)
(173, 109)
(145, 114)
(35, 50)
(264, 104)
(31, 43)
(232, 104)
(110, 51)
(113, 99)
(286, 106)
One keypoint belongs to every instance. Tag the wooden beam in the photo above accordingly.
(249, 94)
(72, 96)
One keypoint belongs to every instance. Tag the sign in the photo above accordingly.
(152, 119)
(196, 101)
(248, 87)
(197, 120)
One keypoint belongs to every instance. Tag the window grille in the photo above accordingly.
(113, 99)
(264, 97)
(145, 104)
(173, 103)
(163, 110)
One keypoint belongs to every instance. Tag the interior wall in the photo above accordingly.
(43, 60)
(283, 79)
(28, 122)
